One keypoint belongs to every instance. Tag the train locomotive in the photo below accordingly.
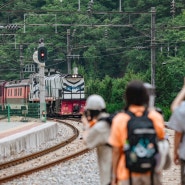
(64, 93)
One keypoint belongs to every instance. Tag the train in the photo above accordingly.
(64, 94)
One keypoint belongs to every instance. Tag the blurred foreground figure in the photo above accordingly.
(96, 134)
(177, 123)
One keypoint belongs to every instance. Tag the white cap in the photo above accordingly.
(95, 102)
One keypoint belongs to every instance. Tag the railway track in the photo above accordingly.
(16, 165)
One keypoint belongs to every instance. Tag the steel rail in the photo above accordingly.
(43, 152)
(39, 154)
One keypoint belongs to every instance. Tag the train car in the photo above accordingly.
(34, 95)
(16, 93)
(64, 94)
(2, 97)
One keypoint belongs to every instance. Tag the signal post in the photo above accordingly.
(42, 92)
(41, 59)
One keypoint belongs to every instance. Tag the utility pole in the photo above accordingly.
(78, 5)
(153, 52)
(21, 63)
(120, 10)
(68, 51)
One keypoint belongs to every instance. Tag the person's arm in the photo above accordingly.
(116, 153)
(179, 98)
(177, 140)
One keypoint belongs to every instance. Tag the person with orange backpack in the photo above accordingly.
(134, 136)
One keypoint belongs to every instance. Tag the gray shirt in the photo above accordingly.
(177, 122)
(97, 136)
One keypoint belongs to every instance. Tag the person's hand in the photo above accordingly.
(176, 159)
(84, 121)
(114, 181)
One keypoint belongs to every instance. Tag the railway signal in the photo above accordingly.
(42, 54)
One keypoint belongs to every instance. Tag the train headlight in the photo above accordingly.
(74, 76)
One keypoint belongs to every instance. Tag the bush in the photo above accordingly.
(114, 107)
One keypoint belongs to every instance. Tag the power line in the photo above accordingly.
(6, 4)
(75, 12)
(84, 25)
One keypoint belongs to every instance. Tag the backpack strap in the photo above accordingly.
(107, 119)
(131, 114)
(145, 113)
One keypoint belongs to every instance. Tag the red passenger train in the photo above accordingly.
(16, 93)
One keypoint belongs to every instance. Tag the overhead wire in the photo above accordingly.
(86, 20)
(74, 12)
(6, 4)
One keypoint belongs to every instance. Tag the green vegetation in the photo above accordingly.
(113, 47)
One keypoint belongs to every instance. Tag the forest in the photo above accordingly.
(111, 43)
